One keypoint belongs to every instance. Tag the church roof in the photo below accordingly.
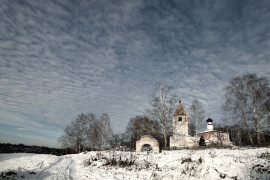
(179, 110)
(209, 120)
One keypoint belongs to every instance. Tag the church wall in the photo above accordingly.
(180, 141)
(216, 138)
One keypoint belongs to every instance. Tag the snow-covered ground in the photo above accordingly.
(181, 164)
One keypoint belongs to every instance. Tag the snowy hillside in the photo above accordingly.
(181, 164)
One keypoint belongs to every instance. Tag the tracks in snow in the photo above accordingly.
(64, 168)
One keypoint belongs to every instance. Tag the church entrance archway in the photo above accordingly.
(147, 143)
(146, 148)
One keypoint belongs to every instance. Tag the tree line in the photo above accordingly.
(246, 101)
(21, 148)
(87, 132)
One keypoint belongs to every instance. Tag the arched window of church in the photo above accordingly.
(179, 118)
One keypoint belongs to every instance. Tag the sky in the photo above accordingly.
(62, 58)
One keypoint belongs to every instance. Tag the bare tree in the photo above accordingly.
(139, 126)
(90, 125)
(163, 103)
(196, 114)
(236, 102)
(73, 135)
(79, 127)
(96, 137)
(191, 129)
(257, 89)
(246, 98)
(267, 109)
(236, 133)
(105, 129)
(68, 139)
(86, 131)
(115, 140)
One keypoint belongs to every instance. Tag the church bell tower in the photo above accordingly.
(180, 121)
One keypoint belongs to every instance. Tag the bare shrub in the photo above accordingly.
(200, 160)
(213, 153)
(8, 174)
(190, 169)
(87, 162)
(260, 171)
(16, 174)
(185, 160)
(265, 155)
(120, 160)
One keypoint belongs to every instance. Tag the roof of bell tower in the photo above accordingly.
(179, 110)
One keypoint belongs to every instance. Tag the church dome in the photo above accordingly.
(209, 120)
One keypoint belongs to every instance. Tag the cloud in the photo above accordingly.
(58, 59)
(23, 129)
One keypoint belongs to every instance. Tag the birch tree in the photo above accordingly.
(78, 127)
(68, 139)
(246, 98)
(196, 114)
(87, 131)
(257, 90)
(90, 125)
(105, 129)
(236, 102)
(163, 104)
(74, 134)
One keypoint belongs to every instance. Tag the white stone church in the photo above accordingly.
(181, 138)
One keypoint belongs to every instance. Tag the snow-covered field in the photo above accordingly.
(180, 164)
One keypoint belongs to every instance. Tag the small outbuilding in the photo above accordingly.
(147, 143)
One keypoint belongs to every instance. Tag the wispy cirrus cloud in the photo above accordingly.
(58, 59)
(23, 129)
